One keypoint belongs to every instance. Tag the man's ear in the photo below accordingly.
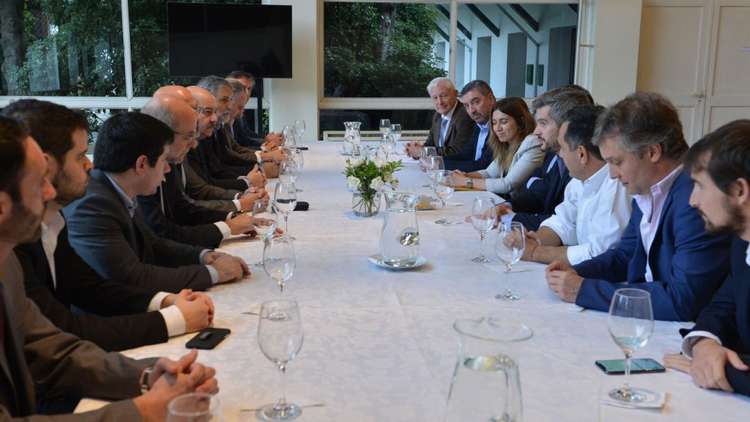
(740, 191)
(141, 164)
(583, 155)
(654, 153)
(6, 207)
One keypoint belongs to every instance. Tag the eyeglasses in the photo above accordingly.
(206, 111)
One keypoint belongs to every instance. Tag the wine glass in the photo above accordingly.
(288, 134)
(285, 199)
(279, 259)
(482, 218)
(396, 132)
(511, 242)
(443, 186)
(435, 165)
(280, 338)
(299, 129)
(265, 219)
(424, 156)
(631, 323)
(193, 407)
(385, 128)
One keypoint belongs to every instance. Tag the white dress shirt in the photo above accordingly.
(694, 336)
(172, 315)
(527, 158)
(592, 216)
(652, 205)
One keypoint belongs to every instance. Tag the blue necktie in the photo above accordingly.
(443, 131)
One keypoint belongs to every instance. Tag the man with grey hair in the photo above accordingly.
(665, 249)
(451, 128)
(242, 132)
(545, 188)
(478, 99)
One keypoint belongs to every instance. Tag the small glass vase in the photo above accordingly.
(365, 206)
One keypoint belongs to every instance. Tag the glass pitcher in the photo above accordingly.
(352, 138)
(486, 384)
(399, 237)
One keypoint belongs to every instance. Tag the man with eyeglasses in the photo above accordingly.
(167, 212)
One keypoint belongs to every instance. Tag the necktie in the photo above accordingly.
(443, 131)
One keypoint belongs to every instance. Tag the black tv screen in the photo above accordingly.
(213, 39)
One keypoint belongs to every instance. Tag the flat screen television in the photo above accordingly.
(215, 39)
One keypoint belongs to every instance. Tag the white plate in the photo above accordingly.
(377, 259)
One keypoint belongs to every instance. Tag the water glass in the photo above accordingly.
(279, 260)
(280, 339)
(482, 219)
(424, 155)
(396, 132)
(299, 129)
(193, 407)
(385, 128)
(285, 199)
(630, 323)
(511, 242)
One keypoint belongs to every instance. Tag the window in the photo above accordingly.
(62, 48)
(383, 49)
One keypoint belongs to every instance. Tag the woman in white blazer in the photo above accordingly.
(516, 150)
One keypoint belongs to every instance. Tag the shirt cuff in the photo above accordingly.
(174, 320)
(223, 228)
(214, 273)
(244, 179)
(531, 181)
(507, 218)
(156, 301)
(693, 337)
(202, 256)
(237, 203)
(258, 157)
(577, 254)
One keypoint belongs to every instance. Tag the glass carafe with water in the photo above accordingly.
(399, 238)
(486, 384)
(352, 138)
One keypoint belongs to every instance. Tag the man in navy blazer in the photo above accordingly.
(719, 343)
(665, 249)
(478, 99)
(545, 188)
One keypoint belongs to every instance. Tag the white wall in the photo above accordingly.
(614, 59)
(297, 98)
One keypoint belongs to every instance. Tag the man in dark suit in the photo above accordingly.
(664, 250)
(106, 228)
(36, 354)
(241, 130)
(478, 100)
(63, 136)
(719, 343)
(545, 188)
(452, 128)
(168, 212)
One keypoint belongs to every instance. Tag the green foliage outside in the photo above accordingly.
(379, 49)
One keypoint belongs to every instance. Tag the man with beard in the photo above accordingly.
(545, 189)
(56, 277)
(478, 100)
(664, 249)
(716, 351)
(36, 354)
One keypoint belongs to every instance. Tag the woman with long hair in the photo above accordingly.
(517, 152)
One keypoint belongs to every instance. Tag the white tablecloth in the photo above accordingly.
(380, 345)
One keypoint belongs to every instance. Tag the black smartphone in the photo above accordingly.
(208, 338)
(303, 148)
(637, 366)
(302, 206)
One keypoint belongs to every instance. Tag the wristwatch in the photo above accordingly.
(144, 381)
(470, 183)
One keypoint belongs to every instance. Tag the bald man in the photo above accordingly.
(167, 212)
(177, 91)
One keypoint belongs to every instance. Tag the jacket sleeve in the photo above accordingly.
(205, 235)
(197, 188)
(97, 237)
(121, 411)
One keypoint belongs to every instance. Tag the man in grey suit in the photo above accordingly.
(452, 128)
(107, 230)
(33, 352)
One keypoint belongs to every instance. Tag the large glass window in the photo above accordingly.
(61, 48)
(383, 49)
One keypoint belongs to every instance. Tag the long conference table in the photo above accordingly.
(380, 346)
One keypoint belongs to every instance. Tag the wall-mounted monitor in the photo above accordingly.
(215, 39)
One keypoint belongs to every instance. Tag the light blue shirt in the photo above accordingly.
(484, 130)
